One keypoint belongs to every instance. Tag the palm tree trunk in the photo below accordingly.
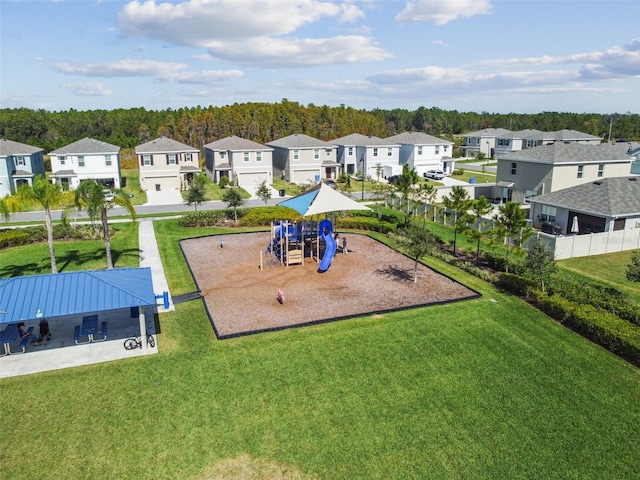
(52, 253)
(107, 242)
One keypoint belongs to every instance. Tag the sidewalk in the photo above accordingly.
(150, 257)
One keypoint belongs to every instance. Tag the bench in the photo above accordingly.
(103, 331)
(76, 334)
(25, 340)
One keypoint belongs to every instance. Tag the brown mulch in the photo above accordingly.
(370, 278)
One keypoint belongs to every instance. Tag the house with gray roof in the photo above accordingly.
(166, 164)
(535, 171)
(301, 159)
(371, 154)
(86, 158)
(424, 152)
(481, 141)
(19, 163)
(246, 162)
(602, 205)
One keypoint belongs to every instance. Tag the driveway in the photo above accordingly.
(164, 197)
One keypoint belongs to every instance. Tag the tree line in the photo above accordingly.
(265, 122)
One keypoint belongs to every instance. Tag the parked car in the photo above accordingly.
(392, 179)
(331, 183)
(108, 194)
(434, 174)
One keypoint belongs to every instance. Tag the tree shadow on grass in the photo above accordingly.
(23, 269)
(395, 273)
(117, 255)
(75, 257)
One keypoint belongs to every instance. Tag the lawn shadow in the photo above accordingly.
(77, 258)
(117, 255)
(25, 269)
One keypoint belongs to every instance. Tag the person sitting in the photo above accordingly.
(22, 334)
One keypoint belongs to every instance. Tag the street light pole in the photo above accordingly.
(362, 178)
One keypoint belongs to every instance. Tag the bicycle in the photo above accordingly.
(135, 342)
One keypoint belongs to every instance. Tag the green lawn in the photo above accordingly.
(131, 186)
(488, 388)
(610, 269)
(479, 176)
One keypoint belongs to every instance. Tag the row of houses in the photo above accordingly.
(166, 164)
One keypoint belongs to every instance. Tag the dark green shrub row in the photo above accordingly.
(13, 238)
(208, 218)
(607, 298)
(263, 216)
(499, 263)
(61, 231)
(516, 284)
(467, 266)
(601, 327)
(366, 223)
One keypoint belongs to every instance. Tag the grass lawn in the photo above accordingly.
(609, 269)
(131, 186)
(479, 176)
(488, 388)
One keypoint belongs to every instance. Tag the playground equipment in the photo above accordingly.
(325, 230)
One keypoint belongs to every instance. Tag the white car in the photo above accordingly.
(108, 195)
(434, 174)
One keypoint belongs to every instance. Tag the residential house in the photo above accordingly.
(634, 151)
(247, 162)
(516, 141)
(602, 205)
(482, 141)
(86, 158)
(166, 164)
(19, 163)
(424, 152)
(548, 168)
(377, 157)
(300, 158)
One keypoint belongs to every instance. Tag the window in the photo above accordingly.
(389, 152)
(580, 171)
(375, 152)
(245, 156)
(188, 157)
(107, 160)
(350, 151)
(146, 160)
(62, 160)
(328, 151)
(80, 160)
(514, 167)
(222, 155)
(258, 156)
(296, 154)
(420, 150)
(548, 214)
(437, 149)
(20, 161)
(601, 170)
(445, 147)
(171, 159)
(316, 154)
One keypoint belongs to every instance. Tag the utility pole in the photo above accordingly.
(610, 125)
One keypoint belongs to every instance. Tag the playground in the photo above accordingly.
(242, 298)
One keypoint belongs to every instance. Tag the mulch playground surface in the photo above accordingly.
(370, 278)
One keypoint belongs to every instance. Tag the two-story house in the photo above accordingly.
(247, 162)
(19, 163)
(166, 164)
(482, 141)
(301, 159)
(373, 155)
(86, 158)
(424, 152)
(548, 168)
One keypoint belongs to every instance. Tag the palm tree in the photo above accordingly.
(49, 195)
(90, 197)
(479, 208)
(458, 200)
(512, 222)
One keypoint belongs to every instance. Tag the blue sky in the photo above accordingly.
(466, 55)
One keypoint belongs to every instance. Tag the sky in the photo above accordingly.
(506, 56)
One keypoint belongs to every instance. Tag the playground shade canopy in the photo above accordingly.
(321, 199)
(60, 294)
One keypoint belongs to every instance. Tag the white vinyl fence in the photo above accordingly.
(591, 244)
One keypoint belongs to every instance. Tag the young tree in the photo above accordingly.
(427, 194)
(379, 170)
(633, 269)
(512, 224)
(49, 195)
(404, 185)
(479, 208)
(459, 202)
(418, 242)
(233, 199)
(90, 196)
(196, 194)
(540, 264)
(264, 192)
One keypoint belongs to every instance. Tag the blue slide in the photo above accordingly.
(326, 233)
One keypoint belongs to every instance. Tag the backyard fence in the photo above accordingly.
(591, 244)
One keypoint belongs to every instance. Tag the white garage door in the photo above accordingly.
(305, 176)
(164, 183)
(251, 181)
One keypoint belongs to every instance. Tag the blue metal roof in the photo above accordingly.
(71, 293)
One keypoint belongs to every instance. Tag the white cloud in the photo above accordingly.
(256, 32)
(202, 77)
(89, 89)
(442, 12)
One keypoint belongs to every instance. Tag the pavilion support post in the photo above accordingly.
(143, 328)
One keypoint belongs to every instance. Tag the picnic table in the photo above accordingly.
(89, 329)
(7, 337)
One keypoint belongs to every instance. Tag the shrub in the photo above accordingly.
(458, 171)
(516, 284)
(366, 223)
(499, 263)
(207, 218)
(13, 238)
(224, 181)
(263, 216)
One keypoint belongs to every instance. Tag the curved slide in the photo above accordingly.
(326, 233)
